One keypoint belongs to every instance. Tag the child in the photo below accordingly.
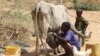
(81, 24)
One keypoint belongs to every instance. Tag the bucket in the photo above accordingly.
(95, 49)
(13, 51)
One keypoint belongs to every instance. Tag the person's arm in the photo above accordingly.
(63, 40)
(60, 38)
(76, 31)
(76, 23)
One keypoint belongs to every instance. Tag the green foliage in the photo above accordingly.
(86, 5)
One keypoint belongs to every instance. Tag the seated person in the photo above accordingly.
(67, 39)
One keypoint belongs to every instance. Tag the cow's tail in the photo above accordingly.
(32, 14)
(36, 17)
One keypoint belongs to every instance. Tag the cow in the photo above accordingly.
(48, 17)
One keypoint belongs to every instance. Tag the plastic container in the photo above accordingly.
(13, 51)
(95, 49)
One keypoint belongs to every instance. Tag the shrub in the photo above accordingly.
(87, 6)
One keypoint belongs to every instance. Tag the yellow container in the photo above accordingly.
(95, 49)
(13, 51)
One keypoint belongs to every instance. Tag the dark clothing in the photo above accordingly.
(81, 24)
(52, 40)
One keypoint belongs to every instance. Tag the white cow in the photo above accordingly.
(48, 17)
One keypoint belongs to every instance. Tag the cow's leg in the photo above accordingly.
(45, 46)
(37, 46)
(40, 26)
(54, 51)
(34, 21)
(58, 50)
(35, 32)
(43, 32)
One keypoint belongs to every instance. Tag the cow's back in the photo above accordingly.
(59, 16)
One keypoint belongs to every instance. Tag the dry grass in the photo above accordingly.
(15, 17)
(16, 14)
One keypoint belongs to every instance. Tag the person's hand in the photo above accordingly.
(54, 34)
(83, 35)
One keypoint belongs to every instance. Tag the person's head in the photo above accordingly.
(65, 26)
(79, 12)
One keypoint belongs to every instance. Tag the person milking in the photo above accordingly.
(67, 39)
